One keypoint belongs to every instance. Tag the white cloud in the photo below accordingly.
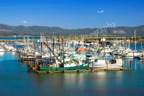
(24, 21)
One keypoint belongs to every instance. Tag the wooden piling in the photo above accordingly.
(130, 64)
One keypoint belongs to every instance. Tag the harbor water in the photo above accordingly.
(16, 80)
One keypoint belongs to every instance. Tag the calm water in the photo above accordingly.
(16, 80)
(18, 37)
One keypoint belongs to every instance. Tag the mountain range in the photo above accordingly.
(36, 30)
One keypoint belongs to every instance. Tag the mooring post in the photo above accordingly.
(48, 68)
(130, 64)
(92, 70)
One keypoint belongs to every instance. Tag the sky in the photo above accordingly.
(72, 14)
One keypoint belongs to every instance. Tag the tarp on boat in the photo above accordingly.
(82, 49)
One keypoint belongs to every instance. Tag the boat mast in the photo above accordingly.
(135, 38)
(63, 54)
(53, 43)
(52, 51)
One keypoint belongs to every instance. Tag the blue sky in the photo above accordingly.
(72, 13)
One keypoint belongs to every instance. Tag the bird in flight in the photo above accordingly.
(100, 11)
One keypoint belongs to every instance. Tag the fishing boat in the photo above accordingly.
(27, 56)
(72, 62)
(103, 62)
(67, 66)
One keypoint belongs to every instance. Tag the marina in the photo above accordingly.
(72, 48)
(58, 55)
(22, 71)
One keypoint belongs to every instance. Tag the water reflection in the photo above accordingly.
(1, 53)
(105, 83)
(135, 64)
(78, 83)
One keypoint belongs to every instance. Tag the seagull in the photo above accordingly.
(100, 11)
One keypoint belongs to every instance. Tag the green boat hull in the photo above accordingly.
(47, 68)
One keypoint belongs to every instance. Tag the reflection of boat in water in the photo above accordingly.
(1, 53)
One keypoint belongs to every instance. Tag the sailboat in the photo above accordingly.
(132, 53)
